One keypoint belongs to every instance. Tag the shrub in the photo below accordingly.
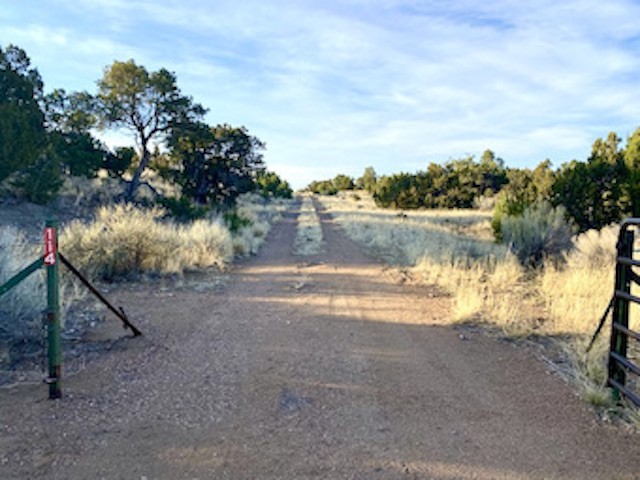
(505, 207)
(595, 249)
(125, 240)
(541, 232)
(203, 244)
(39, 182)
(183, 209)
(269, 184)
(117, 162)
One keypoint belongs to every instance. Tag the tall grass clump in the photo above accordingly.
(577, 291)
(491, 289)
(124, 240)
(202, 244)
(540, 233)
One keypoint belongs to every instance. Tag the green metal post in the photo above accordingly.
(621, 312)
(54, 343)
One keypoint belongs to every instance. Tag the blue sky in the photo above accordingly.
(335, 86)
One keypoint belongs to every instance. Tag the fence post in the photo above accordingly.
(54, 344)
(621, 312)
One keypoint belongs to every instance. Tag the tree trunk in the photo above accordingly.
(135, 181)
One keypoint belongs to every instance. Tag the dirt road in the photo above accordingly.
(324, 367)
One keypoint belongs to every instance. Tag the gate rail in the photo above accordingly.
(620, 365)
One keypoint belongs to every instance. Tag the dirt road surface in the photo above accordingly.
(326, 367)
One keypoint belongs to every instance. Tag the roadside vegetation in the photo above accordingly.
(541, 262)
(123, 242)
(185, 196)
(555, 300)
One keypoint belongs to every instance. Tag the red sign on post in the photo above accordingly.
(50, 245)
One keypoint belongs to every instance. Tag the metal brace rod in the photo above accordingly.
(118, 313)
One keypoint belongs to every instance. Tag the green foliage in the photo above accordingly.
(524, 188)
(69, 119)
(269, 184)
(342, 182)
(117, 162)
(541, 232)
(368, 180)
(322, 187)
(455, 184)
(235, 221)
(78, 153)
(183, 209)
(40, 181)
(40, 155)
(631, 187)
(73, 112)
(22, 133)
(330, 187)
(397, 191)
(596, 193)
(504, 207)
(150, 105)
(214, 165)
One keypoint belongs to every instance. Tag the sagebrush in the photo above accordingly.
(541, 232)
(124, 240)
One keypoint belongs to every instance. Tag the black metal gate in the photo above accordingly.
(624, 371)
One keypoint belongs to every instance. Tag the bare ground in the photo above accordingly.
(322, 367)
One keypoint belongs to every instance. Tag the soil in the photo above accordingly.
(330, 366)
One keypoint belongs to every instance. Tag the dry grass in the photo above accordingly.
(405, 238)
(447, 248)
(121, 241)
(309, 238)
(261, 215)
(124, 240)
(82, 191)
(451, 249)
